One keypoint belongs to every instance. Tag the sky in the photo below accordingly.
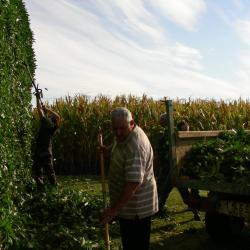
(198, 49)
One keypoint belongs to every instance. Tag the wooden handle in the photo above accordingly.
(102, 163)
(104, 192)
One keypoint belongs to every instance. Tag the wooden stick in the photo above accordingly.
(104, 192)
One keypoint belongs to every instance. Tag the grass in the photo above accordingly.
(175, 230)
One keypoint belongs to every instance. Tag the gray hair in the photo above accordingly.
(121, 113)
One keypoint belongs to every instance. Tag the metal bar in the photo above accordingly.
(221, 187)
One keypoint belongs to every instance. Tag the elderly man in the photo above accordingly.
(132, 186)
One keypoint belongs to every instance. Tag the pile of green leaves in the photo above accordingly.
(226, 158)
(55, 219)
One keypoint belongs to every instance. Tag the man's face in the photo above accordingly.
(122, 128)
(185, 127)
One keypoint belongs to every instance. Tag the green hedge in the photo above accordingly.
(15, 106)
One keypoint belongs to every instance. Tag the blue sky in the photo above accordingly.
(173, 48)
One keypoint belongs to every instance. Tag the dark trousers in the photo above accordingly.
(41, 164)
(185, 193)
(135, 233)
(167, 188)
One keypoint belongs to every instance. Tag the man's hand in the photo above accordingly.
(104, 149)
(127, 192)
(38, 95)
(44, 108)
(108, 215)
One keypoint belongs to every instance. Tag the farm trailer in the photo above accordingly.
(227, 205)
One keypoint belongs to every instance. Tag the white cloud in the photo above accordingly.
(242, 27)
(117, 47)
(243, 71)
(186, 56)
(184, 13)
(239, 4)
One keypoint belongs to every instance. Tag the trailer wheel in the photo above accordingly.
(221, 226)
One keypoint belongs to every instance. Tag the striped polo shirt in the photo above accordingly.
(132, 161)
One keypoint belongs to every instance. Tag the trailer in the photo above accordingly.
(226, 205)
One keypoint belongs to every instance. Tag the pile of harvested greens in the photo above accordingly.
(226, 158)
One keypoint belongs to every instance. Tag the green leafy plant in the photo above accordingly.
(225, 158)
(58, 219)
(15, 116)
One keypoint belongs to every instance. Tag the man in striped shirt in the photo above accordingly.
(132, 186)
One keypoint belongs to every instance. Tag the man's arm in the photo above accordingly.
(111, 212)
(39, 107)
(55, 114)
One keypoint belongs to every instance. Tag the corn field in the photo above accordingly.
(83, 118)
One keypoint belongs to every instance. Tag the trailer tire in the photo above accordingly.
(221, 226)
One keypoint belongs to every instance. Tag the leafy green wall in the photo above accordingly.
(16, 56)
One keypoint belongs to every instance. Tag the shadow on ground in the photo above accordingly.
(200, 240)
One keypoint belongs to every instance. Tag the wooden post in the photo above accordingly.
(170, 179)
(104, 192)
(171, 139)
